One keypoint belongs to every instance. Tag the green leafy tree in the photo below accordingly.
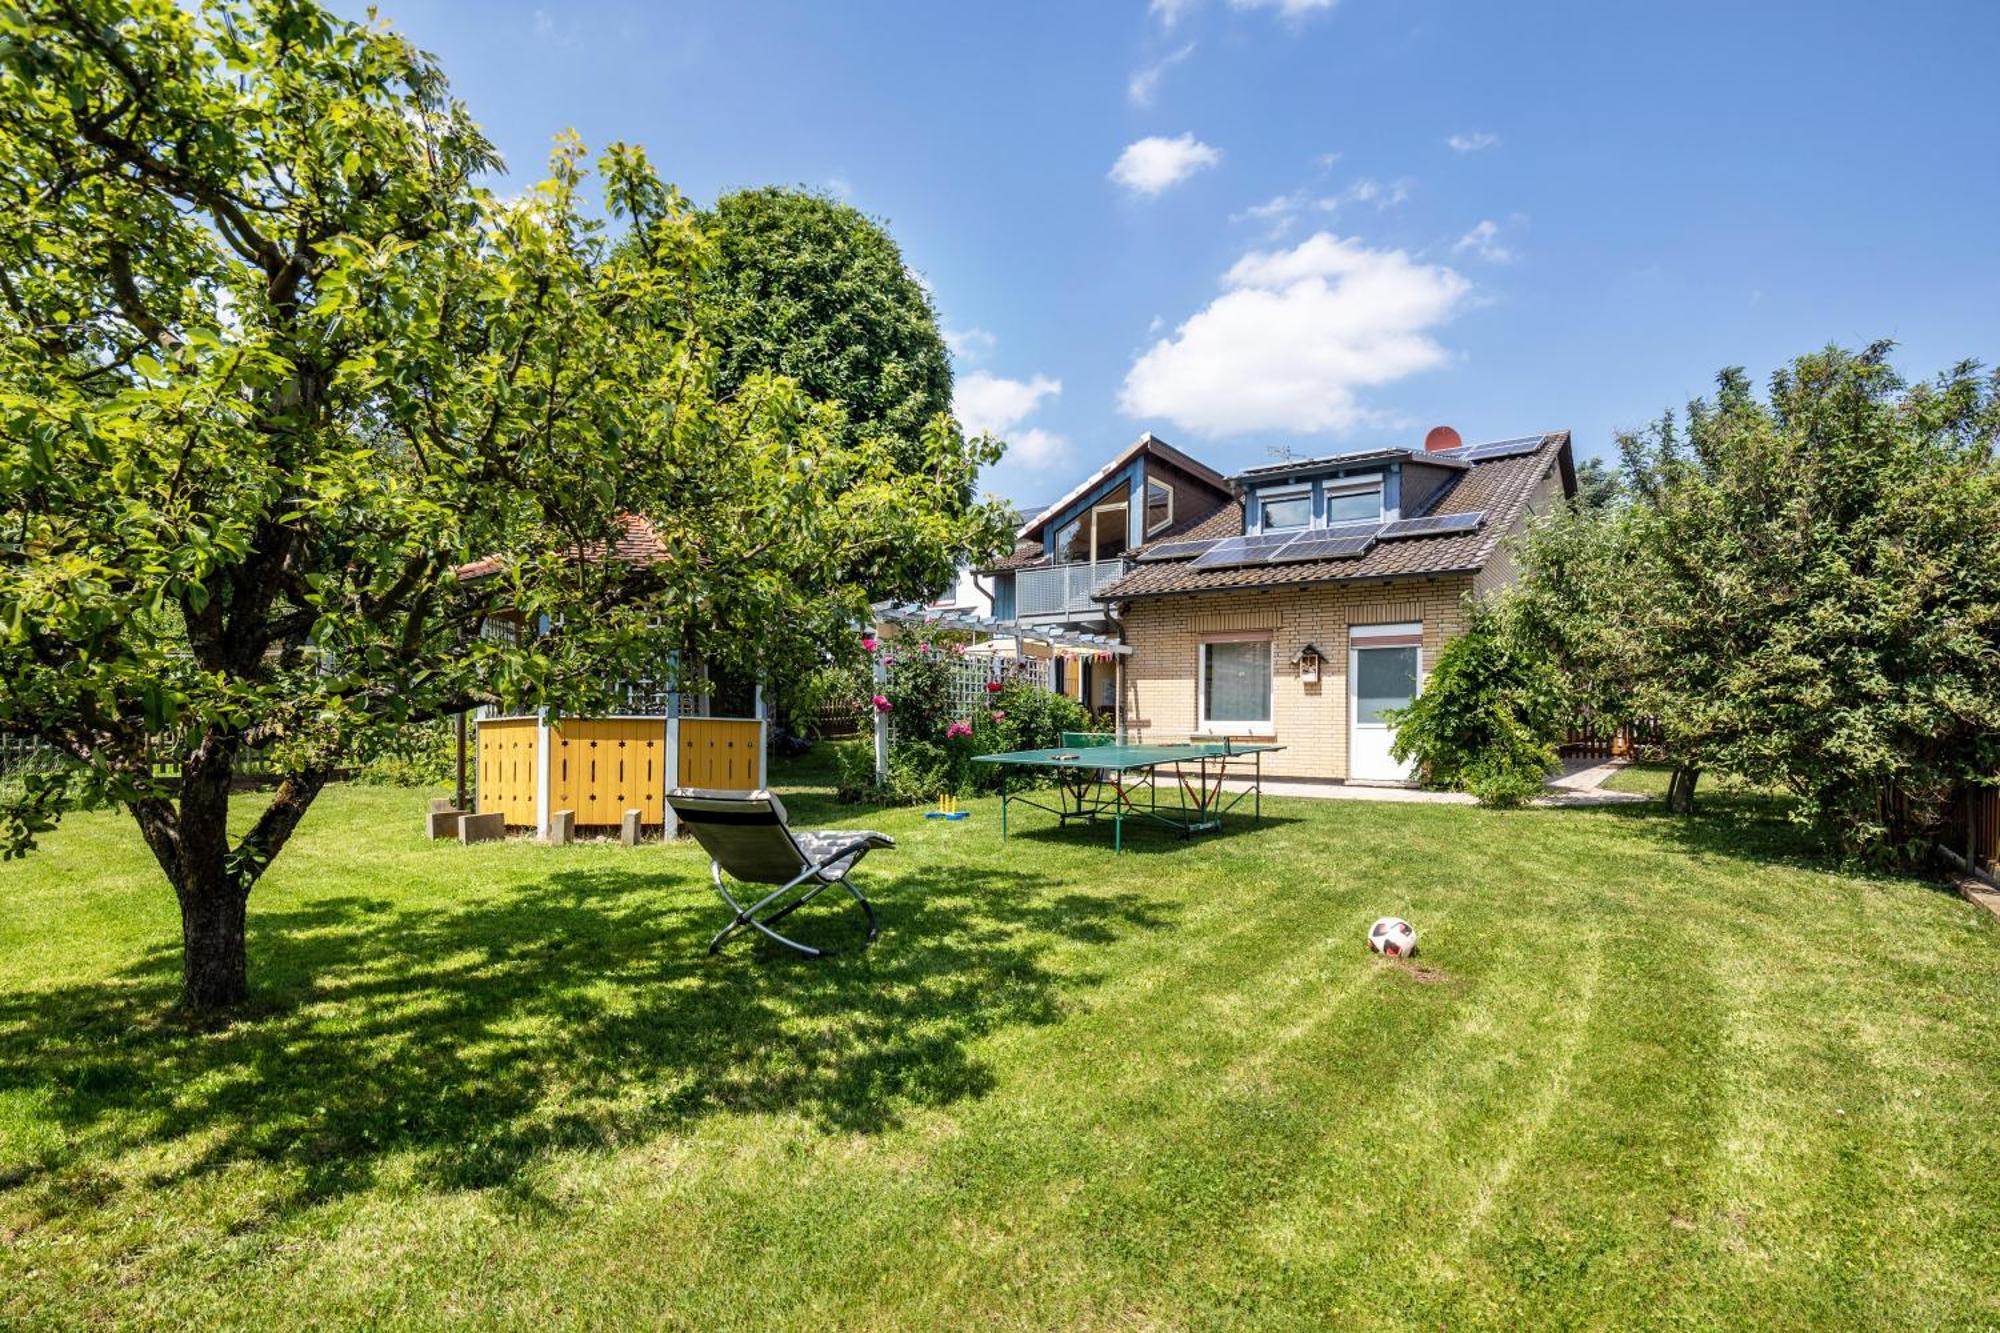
(1489, 716)
(273, 368)
(1810, 595)
(1598, 485)
(806, 286)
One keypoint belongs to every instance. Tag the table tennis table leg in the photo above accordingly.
(1117, 829)
(1257, 789)
(1003, 804)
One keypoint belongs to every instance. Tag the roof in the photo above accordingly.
(1499, 488)
(637, 543)
(1146, 443)
(1293, 467)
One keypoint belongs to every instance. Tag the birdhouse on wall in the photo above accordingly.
(1307, 660)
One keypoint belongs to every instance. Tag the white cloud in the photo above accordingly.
(1294, 336)
(1484, 240)
(1151, 165)
(1472, 143)
(1146, 82)
(969, 345)
(1291, 9)
(994, 405)
(1170, 12)
(1281, 211)
(1036, 447)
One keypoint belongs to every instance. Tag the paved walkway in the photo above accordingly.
(1581, 784)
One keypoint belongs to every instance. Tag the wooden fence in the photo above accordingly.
(1980, 808)
(1585, 740)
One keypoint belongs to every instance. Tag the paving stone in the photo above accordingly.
(628, 831)
(444, 823)
(482, 828)
(562, 828)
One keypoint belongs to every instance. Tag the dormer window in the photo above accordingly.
(1159, 507)
(1287, 510)
(1354, 502)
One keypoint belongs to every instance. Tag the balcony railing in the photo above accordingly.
(1064, 590)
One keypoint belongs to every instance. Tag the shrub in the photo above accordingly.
(1488, 719)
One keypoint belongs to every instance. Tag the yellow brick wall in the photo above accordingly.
(1500, 569)
(1310, 720)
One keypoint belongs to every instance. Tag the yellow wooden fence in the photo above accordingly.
(602, 767)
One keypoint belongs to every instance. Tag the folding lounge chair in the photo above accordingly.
(749, 835)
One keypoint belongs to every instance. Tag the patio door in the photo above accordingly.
(1384, 671)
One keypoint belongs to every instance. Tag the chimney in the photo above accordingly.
(1441, 437)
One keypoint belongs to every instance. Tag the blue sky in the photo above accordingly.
(1259, 224)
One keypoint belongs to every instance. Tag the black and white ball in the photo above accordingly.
(1393, 936)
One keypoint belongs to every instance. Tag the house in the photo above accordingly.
(1319, 596)
(1149, 493)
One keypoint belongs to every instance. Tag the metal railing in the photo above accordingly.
(1061, 590)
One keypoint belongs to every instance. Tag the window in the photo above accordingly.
(1236, 685)
(1284, 510)
(1073, 543)
(1385, 678)
(1353, 502)
(1159, 507)
(1110, 521)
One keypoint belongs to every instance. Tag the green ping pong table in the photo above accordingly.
(1099, 777)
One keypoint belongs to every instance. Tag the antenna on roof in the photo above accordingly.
(1281, 453)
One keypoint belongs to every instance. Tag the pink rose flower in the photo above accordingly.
(999, 715)
(868, 644)
(957, 729)
(993, 687)
(882, 704)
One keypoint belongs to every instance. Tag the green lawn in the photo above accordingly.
(1648, 1074)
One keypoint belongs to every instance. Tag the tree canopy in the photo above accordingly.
(806, 286)
(1805, 589)
(274, 367)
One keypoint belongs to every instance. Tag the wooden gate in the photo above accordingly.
(602, 767)
(726, 753)
(509, 763)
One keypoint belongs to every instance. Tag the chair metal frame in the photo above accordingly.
(818, 872)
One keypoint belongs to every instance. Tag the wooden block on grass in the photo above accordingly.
(562, 828)
(440, 804)
(628, 829)
(482, 828)
(444, 823)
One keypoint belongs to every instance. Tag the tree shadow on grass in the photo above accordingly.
(1735, 826)
(580, 1011)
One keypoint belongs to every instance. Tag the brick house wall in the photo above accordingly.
(1310, 721)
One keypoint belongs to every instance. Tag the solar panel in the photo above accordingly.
(1175, 550)
(1481, 453)
(1345, 547)
(1252, 550)
(1434, 526)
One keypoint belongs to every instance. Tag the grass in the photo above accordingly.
(1650, 1073)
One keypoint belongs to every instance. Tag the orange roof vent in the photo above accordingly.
(1442, 438)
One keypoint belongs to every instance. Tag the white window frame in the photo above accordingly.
(1154, 529)
(1268, 727)
(1264, 499)
(1343, 489)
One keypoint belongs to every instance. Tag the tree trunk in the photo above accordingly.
(1680, 790)
(215, 971)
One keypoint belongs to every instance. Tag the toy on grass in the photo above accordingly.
(947, 808)
(1393, 936)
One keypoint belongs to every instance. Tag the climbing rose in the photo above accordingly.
(882, 704)
(868, 644)
(999, 715)
(993, 687)
(957, 729)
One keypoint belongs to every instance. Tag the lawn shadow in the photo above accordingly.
(1140, 836)
(576, 1011)
(1735, 826)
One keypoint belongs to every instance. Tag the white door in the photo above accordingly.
(1384, 666)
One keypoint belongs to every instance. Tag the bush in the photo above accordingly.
(932, 748)
(1488, 719)
(422, 754)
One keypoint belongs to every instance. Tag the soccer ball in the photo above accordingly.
(1393, 936)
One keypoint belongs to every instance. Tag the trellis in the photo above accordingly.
(971, 675)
